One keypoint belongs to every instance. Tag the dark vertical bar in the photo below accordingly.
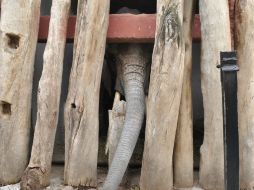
(45, 7)
(229, 70)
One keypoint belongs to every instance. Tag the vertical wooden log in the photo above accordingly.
(82, 105)
(164, 97)
(231, 4)
(19, 31)
(49, 92)
(244, 46)
(0, 9)
(215, 28)
(116, 123)
(183, 151)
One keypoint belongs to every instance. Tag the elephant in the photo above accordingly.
(133, 70)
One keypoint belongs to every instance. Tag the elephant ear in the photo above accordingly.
(112, 49)
(147, 77)
(148, 51)
(119, 86)
(113, 53)
(125, 10)
(106, 78)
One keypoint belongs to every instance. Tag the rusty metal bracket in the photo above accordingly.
(229, 70)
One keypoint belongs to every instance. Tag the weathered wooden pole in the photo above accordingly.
(49, 92)
(231, 4)
(0, 9)
(19, 31)
(82, 105)
(164, 97)
(115, 128)
(244, 47)
(183, 151)
(116, 123)
(216, 37)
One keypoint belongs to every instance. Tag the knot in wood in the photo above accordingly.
(172, 24)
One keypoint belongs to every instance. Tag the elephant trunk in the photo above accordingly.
(133, 69)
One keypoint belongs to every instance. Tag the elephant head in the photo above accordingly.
(132, 61)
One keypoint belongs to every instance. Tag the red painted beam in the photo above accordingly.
(131, 28)
(122, 28)
(196, 31)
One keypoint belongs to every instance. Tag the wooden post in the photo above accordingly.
(82, 105)
(244, 47)
(164, 97)
(231, 4)
(116, 123)
(49, 92)
(19, 31)
(183, 151)
(215, 28)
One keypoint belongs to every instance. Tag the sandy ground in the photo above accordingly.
(130, 182)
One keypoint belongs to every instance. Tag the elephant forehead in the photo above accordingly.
(127, 58)
(129, 48)
(132, 54)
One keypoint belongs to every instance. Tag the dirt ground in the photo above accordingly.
(130, 181)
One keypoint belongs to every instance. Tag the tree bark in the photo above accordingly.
(19, 32)
(183, 151)
(216, 37)
(82, 105)
(49, 92)
(244, 46)
(164, 97)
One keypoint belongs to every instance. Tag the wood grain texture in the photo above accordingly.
(49, 92)
(116, 118)
(19, 32)
(232, 21)
(164, 97)
(216, 37)
(82, 105)
(244, 47)
(183, 151)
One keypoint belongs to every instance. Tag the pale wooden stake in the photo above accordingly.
(164, 97)
(82, 105)
(216, 37)
(49, 92)
(116, 123)
(0, 10)
(183, 151)
(231, 4)
(19, 31)
(244, 46)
